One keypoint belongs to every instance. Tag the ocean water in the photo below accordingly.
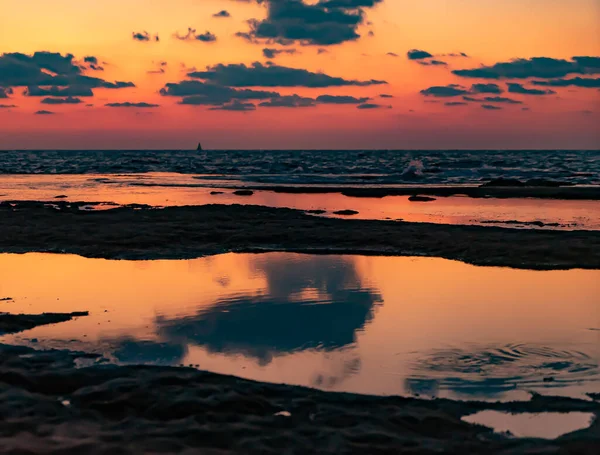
(375, 325)
(385, 167)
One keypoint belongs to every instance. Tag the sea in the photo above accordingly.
(302, 167)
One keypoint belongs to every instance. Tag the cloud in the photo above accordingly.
(272, 53)
(539, 67)
(340, 99)
(372, 106)
(4, 92)
(144, 36)
(201, 93)
(432, 63)
(42, 112)
(67, 100)
(385, 95)
(222, 13)
(130, 104)
(48, 69)
(519, 88)
(445, 91)
(289, 101)
(455, 103)
(490, 107)
(327, 22)
(486, 88)
(235, 106)
(7, 106)
(573, 82)
(492, 99)
(92, 63)
(392, 54)
(59, 91)
(259, 75)
(416, 54)
(159, 70)
(191, 35)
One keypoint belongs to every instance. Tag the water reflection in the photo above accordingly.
(382, 325)
(492, 371)
(310, 302)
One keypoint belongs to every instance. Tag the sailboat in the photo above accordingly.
(199, 148)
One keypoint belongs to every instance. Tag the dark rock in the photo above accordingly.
(315, 212)
(346, 212)
(61, 196)
(243, 192)
(216, 192)
(421, 199)
(12, 323)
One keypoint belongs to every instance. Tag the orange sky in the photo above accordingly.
(487, 30)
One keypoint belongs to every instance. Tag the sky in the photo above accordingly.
(298, 74)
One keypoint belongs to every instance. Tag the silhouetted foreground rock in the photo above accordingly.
(421, 199)
(12, 323)
(48, 406)
(193, 231)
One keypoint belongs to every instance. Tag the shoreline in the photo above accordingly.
(591, 193)
(174, 409)
(141, 232)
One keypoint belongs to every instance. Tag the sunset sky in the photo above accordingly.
(157, 74)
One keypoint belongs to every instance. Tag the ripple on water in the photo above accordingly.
(494, 370)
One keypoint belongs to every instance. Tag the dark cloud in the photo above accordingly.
(130, 104)
(340, 99)
(373, 106)
(49, 69)
(385, 95)
(455, 103)
(272, 53)
(7, 106)
(416, 54)
(235, 106)
(432, 63)
(486, 88)
(4, 92)
(59, 91)
(445, 91)
(67, 100)
(540, 67)
(572, 82)
(201, 93)
(392, 54)
(159, 70)
(44, 113)
(222, 13)
(490, 107)
(92, 63)
(191, 35)
(259, 75)
(324, 23)
(519, 88)
(144, 36)
(492, 99)
(289, 101)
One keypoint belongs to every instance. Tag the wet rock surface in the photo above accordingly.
(50, 406)
(192, 231)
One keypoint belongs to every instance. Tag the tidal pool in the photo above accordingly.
(376, 325)
(546, 425)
